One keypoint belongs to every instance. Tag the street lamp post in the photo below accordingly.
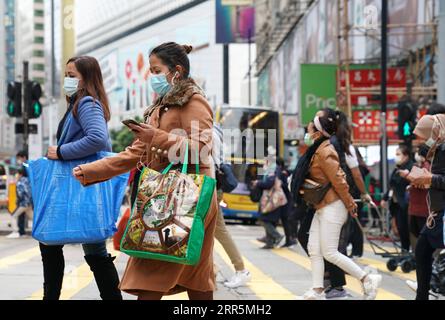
(384, 140)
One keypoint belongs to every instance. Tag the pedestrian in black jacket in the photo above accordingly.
(432, 130)
(397, 195)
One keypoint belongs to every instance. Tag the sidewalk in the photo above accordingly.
(5, 220)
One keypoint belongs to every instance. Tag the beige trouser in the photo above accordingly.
(18, 212)
(224, 237)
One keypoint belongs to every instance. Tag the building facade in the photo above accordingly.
(129, 30)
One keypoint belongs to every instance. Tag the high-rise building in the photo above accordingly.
(7, 74)
(121, 34)
(30, 46)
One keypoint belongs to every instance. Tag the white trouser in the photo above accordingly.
(324, 238)
(17, 213)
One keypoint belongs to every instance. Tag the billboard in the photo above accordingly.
(235, 22)
(318, 89)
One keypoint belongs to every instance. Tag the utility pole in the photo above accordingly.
(384, 139)
(25, 107)
(226, 67)
(250, 67)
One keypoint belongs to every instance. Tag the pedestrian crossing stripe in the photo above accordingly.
(75, 281)
(19, 258)
(352, 283)
(263, 286)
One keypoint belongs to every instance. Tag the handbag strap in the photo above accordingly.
(185, 162)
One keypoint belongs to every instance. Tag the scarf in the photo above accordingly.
(302, 170)
(431, 128)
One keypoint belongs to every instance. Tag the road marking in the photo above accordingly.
(353, 284)
(19, 258)
(263, 286)
(76, 280)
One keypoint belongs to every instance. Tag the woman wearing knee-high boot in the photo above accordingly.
(82, 132)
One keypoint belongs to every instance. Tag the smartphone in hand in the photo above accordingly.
(131, 121)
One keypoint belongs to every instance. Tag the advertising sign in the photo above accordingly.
(235, 22)
(371, 78)
(367, 129)
(318, 89)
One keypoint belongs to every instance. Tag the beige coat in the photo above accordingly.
(183, 107)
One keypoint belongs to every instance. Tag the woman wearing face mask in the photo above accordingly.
(321, 164)
(418, 207)
(432, 130)
(179, 116)
(398, 197)
(82, 132)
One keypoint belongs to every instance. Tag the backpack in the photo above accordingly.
(225, 178)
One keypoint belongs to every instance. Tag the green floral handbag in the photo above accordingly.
(167, 221)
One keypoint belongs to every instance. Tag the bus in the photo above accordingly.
(248, 128)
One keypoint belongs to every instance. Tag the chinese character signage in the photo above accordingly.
(371, 79)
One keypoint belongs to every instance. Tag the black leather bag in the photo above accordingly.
(226, 180)
(256, 194)
(313, 192)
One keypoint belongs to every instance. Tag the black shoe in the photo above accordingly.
(262, 240)
(106, 276)
(289, 244)
(278, 240)
(268, 247)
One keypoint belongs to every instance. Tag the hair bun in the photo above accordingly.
(187, 48)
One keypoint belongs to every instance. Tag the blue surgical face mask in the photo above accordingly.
(159, 84)
(71, 86)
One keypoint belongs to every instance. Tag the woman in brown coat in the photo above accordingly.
(180, 108)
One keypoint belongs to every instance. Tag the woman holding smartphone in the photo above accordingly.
(82, 132)
(181, 116)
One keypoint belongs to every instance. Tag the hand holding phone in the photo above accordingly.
(131, 121)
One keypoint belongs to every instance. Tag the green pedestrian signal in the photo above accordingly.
(407, 130)
(14, 93)
(34, 93)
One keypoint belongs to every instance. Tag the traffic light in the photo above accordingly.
(34, 93)
(407, 119)
(14, 106)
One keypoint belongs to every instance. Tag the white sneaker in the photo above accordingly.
(371, 285)
(413, 286)
(239, 279)
(14, 235)
(313, 295)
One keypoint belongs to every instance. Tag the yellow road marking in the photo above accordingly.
(353, 284)
(263, 286)
(19, 258)
(75, 281)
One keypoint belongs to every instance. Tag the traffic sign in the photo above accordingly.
(20, 129)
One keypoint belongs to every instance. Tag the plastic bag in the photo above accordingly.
(65, 212)
(167, 223)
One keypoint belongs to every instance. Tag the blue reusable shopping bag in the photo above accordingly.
(65, 212)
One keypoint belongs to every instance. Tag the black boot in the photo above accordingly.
(106, 276)
(53, 270)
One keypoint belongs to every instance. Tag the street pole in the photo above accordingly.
(441, 53)
(250, 67)
(25, 107)
(384, 141)
(226, 74)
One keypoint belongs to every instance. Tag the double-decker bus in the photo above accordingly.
(248, 134)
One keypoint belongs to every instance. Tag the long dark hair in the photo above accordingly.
(93, 83)
(172, 55)
(344, 134)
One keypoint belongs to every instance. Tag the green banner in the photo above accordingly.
(318, 89)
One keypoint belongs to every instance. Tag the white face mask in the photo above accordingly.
(399, 160)
(71, 86)
(419, 158)
(430, 143)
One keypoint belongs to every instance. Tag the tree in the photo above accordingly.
(123, 138)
